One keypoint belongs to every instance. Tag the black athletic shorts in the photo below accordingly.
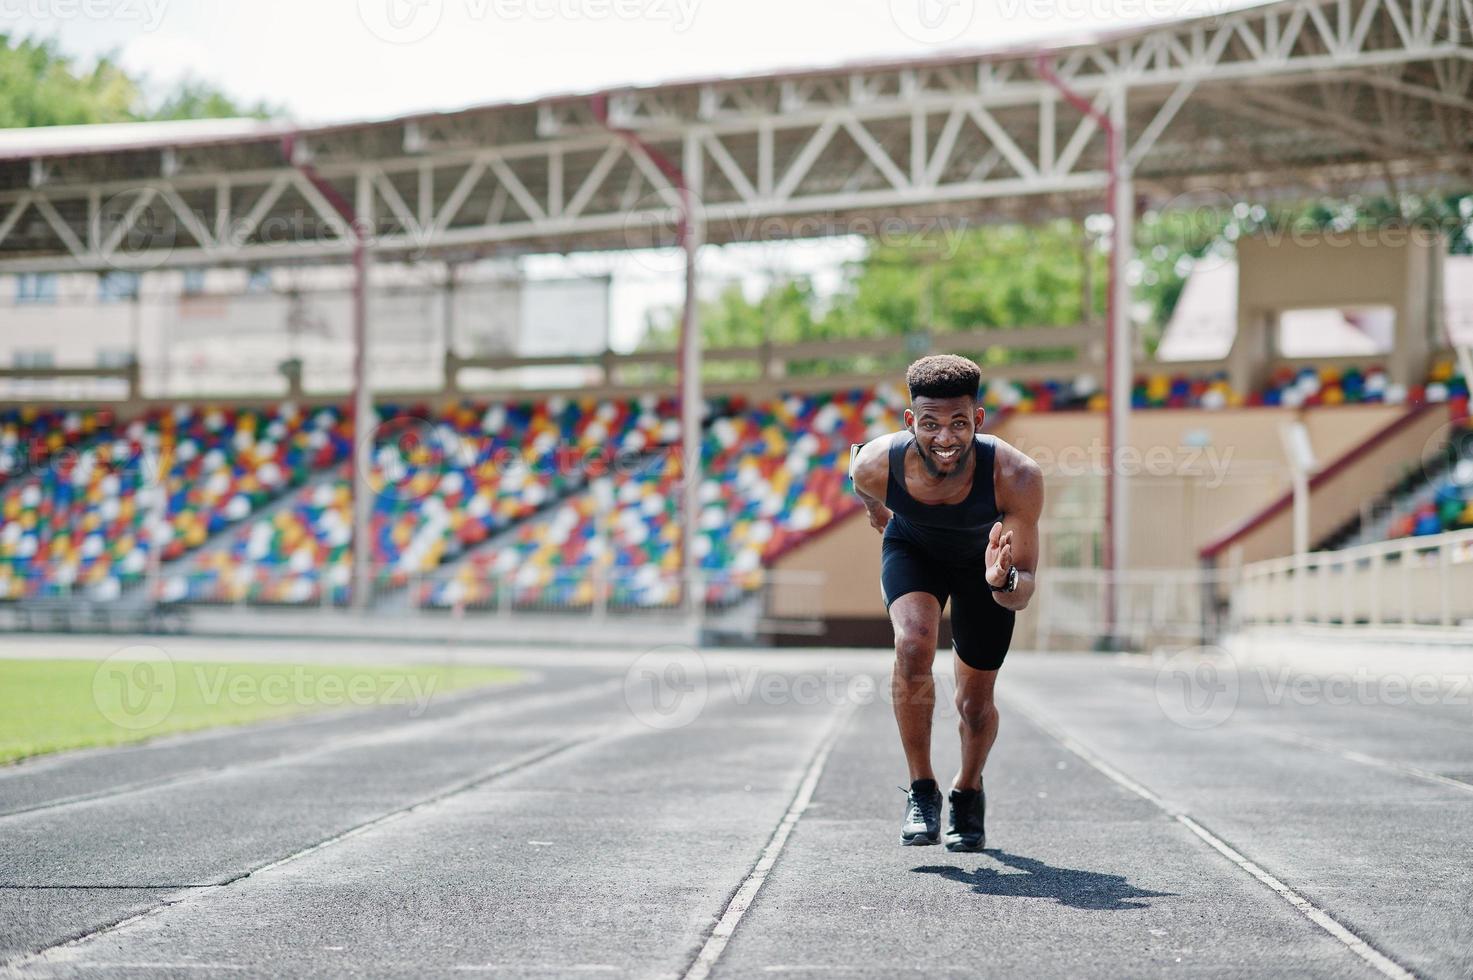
(981, 630)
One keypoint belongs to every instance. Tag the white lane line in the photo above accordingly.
(747, 893)
(1378, 960)
(1350, 755)
(557, 969)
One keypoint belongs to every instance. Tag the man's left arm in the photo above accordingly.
(1014, 540)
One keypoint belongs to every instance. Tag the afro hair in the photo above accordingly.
(943, 376)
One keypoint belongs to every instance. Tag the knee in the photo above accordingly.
(976, 713)
(914, 653)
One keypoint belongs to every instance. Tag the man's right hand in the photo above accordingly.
(879, 517)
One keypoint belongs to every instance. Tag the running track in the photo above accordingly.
(545, 829)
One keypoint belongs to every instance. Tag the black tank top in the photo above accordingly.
(948, 532)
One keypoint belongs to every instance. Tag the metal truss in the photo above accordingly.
(1301, 94)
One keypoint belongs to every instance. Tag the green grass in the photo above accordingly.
(50, 705)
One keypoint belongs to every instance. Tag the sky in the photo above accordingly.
(335, 60)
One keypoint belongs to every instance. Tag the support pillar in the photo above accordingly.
(1121, 346)
(362, 431)
(692, 404)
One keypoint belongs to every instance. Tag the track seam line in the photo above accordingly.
(1379, 961)
(746, 892)
(399, 733)
(1351, 755)
(505, 769)
(517, 764)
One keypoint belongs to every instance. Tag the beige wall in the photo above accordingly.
(849, 558)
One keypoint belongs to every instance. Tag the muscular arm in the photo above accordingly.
(870, 471)
(1014, 541)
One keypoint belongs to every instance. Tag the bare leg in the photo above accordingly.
(978, 725)
(916, 617)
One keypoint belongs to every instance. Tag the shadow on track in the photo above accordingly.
(1068, 886)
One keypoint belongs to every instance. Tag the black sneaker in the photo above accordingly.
(922, 824)
(964, 829)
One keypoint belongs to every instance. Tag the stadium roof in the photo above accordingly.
(62, 141)
(1293, 97)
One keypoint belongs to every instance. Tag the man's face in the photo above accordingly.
(944, 429)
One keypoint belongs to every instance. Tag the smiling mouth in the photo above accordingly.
(945, 454)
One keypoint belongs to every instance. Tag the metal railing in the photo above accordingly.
(1409, 583)
(720, 600)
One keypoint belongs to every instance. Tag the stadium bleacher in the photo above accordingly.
(86, 518)
(443, 482)
(30, 434)
(473, 494)
(775, 473)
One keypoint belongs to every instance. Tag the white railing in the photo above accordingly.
(1410, 583)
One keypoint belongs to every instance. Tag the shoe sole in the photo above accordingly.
(919, 840)
(956, 844)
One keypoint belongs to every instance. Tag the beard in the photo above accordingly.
(933, 465)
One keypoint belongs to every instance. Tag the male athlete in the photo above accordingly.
(959, 514)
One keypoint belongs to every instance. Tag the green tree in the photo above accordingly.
(41, 86)
(193, 98)
(998, 276)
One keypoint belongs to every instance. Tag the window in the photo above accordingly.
(34, 357)
(259, 281)
(114, 287)
(114, 357)
(194, 282)
(1337, 331)
(35, 287)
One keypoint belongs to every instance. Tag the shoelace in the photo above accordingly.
(926, 810)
